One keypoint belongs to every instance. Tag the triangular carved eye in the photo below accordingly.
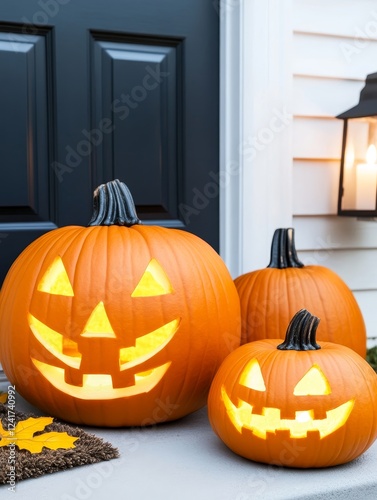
(153, 282)
(252, 376)
(55, 280)
(313, 383)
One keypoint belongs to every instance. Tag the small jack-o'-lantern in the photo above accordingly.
(117, 323)
(295, 403)
(270, 297)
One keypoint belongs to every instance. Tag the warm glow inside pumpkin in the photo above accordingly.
(117, 324)
(313, 383)
(318, 400)
(153, 282)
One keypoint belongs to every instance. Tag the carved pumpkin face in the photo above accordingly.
(299, 408)
(114, 325)
(269, 421)
(81, 377)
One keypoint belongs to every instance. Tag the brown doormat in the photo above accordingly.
(89, 449)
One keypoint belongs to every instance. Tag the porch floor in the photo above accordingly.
(184, 460)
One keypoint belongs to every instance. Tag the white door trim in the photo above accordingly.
(255, 128)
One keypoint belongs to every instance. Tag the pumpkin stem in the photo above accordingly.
(113, 205)
(301, 333)
(283, 250)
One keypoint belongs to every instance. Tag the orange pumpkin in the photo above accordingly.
(270, 297)
(117, 323)
(296, 404)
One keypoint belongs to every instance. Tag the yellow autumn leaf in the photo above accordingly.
(3, 397)
(23, 436)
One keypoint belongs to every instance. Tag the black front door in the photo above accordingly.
(92, 90)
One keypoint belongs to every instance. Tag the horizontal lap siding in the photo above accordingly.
(334, 48)
(315, 187)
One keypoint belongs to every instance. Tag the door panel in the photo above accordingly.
(23, 104)
(92, 90)
(24, 173)
(146, 115)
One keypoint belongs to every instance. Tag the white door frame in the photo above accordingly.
(255, 128)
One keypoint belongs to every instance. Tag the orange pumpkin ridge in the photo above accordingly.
(270, 297)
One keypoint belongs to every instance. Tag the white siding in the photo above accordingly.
(334, 48)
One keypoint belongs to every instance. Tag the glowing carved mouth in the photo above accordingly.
(99, 386)
(145, 347)
(270, 421)
(148, 345)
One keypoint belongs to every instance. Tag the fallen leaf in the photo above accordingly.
(23, 436)
(3, 397)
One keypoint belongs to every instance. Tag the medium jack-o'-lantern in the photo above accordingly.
(117, 323)
(270, 297)
(295, 403)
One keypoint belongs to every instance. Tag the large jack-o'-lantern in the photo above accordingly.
(117, 323)
(295, 403)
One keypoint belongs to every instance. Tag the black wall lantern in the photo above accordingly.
(358, 168)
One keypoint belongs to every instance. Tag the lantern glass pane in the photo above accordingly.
(360, 165)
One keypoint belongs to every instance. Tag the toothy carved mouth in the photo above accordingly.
(148, 345)
(269, 421)
(99, 386)
(145, 347)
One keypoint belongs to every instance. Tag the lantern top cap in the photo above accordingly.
(367, 105)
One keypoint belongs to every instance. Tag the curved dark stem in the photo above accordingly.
(283, 250)
(113, 205)
(301, 333)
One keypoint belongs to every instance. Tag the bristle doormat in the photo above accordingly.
(18, 464)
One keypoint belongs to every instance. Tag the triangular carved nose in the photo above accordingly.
(98, 324)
